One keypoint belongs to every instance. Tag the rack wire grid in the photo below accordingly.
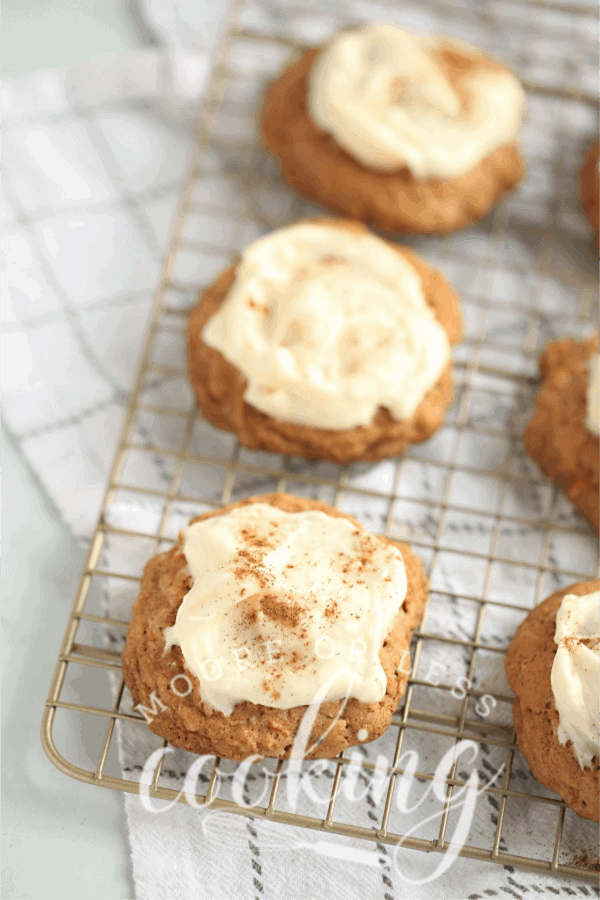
(494, 535)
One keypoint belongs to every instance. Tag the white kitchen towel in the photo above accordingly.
(94, 162)
(90, 190)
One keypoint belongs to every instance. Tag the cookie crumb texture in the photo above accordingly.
(219, 386)
(528, 666)
(253, 728)
(319, 169)
(557, 437)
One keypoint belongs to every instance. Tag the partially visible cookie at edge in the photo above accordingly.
(257, 728)
(562, 435)
(589, 185)
(220, 386)
(529, 663)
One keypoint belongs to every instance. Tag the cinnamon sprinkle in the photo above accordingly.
(285, 614)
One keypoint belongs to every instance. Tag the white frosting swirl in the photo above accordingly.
(388, 102)
(327, 326)
(593, 396)
(286, 608)
(576, 672)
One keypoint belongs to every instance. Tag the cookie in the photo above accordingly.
(557, 436)
(221, 389)
(314, 163)
(589, 179)
(529, 662)
(157, 679)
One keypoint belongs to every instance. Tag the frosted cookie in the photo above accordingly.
(407, 132)
(589, 186)
(562, 436)
(262, 608)
(553, 666)
(326, 342)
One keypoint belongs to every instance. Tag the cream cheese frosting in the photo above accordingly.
(381, 93)
(575, 676)
(593, 396)
(327, 326)
(286, 608)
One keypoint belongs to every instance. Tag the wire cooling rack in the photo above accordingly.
(494, 536)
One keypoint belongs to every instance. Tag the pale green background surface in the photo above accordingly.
(42, 33)
(61, 838)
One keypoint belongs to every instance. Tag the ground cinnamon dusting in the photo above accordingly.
(251, 610)
(285, 614)
(250, 561)
(572, 641)
(281, 609)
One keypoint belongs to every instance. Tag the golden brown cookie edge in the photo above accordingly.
(556, 437)
(528, 665)
(589, 189)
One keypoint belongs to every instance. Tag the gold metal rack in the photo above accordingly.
(493, 485)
